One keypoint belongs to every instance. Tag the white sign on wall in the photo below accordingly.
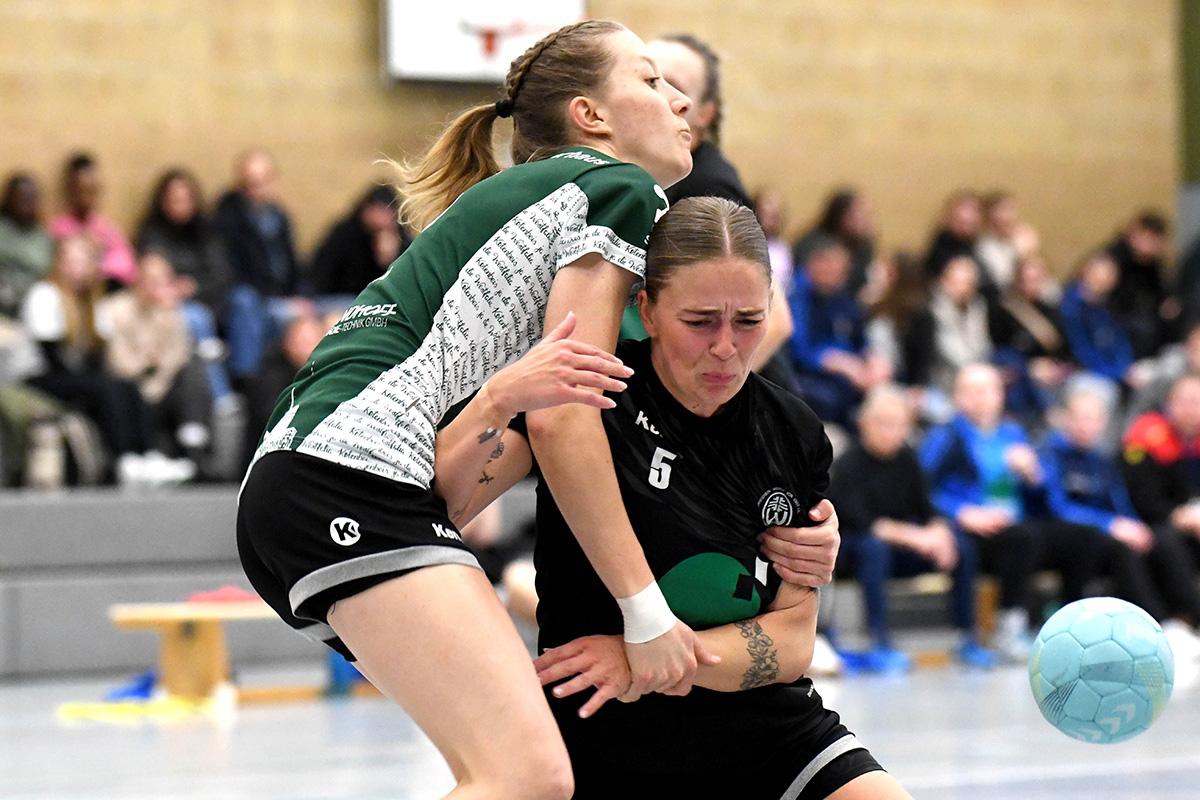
(466, 40)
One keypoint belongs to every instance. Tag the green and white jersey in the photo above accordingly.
(467, 298)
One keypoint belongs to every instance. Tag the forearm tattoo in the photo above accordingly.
(496, 453)
(764, 659)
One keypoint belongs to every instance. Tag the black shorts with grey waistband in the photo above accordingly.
(311, 532)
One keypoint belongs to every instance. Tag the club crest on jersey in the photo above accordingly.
(777, 507)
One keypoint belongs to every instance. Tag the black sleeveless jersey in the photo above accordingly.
(698, 492)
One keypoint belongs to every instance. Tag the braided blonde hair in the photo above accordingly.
(572, 61)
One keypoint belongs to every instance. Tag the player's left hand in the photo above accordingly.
(805, 556)
(597, 661)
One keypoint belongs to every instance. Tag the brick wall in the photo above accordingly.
(1071, 103)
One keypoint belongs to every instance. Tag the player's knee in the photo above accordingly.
(545, 776)
(559, 784)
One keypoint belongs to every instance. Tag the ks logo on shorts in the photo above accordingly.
(344, 531)
(777, 507)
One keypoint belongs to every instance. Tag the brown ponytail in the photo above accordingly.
(569, 62)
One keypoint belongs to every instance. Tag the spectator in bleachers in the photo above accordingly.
(1162, 462)
(1005, 240)
(771, 211)
(897, 294)
(771, 360)
(360, 247)
(980, 467)
(25, 248)
(847, 217)
(1141, 299)
(1098, 339)
(985, 477)
(828, 345)
(279, 367)
(82, 189)
(149, 345)
(256, 233)
(1030, 342)
(1084, 486)
(952, 331)
(958, 236)
(1161, 373)
(890, 528)
(176, 227)
(59, 314)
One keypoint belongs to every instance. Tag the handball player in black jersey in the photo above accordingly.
(707, 456)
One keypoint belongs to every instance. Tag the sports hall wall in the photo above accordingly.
(1073, 104)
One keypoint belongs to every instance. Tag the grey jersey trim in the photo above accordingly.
(318, 632)
(376, 564)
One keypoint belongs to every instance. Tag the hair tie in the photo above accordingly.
(504, 107)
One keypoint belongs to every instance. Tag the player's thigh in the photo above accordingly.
(439, 643)
(876, 785)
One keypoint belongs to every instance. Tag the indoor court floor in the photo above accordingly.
(947, 734)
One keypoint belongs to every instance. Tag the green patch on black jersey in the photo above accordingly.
(711, 589)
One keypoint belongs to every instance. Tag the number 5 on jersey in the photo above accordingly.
(660, 468)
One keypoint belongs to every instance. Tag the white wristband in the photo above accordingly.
(647, 615)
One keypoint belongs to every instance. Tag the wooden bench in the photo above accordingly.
(193, 659)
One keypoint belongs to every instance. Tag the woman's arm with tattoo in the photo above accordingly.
(775, 647)
(475, 458)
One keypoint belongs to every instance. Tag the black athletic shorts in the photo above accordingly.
(311, 532)
(771, 743)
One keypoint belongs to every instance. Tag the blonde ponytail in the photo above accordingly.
(458, 160)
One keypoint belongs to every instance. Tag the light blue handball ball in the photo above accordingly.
(1101, 670)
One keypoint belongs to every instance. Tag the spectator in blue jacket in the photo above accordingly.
(828, 344)
(1084, 486)
(985, 476)
(980, 468)
(1098, 339)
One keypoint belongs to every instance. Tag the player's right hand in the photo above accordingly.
(666, 664)
(558, 370)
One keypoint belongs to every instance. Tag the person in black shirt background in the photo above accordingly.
(892, 529)
(693, 68)
(360, 247)
(1141, 299)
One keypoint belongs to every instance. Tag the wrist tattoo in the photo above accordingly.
(490, 433)
(764, 659)
(499, 451)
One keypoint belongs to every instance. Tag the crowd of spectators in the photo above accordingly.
(169, 342)
(992, 419)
